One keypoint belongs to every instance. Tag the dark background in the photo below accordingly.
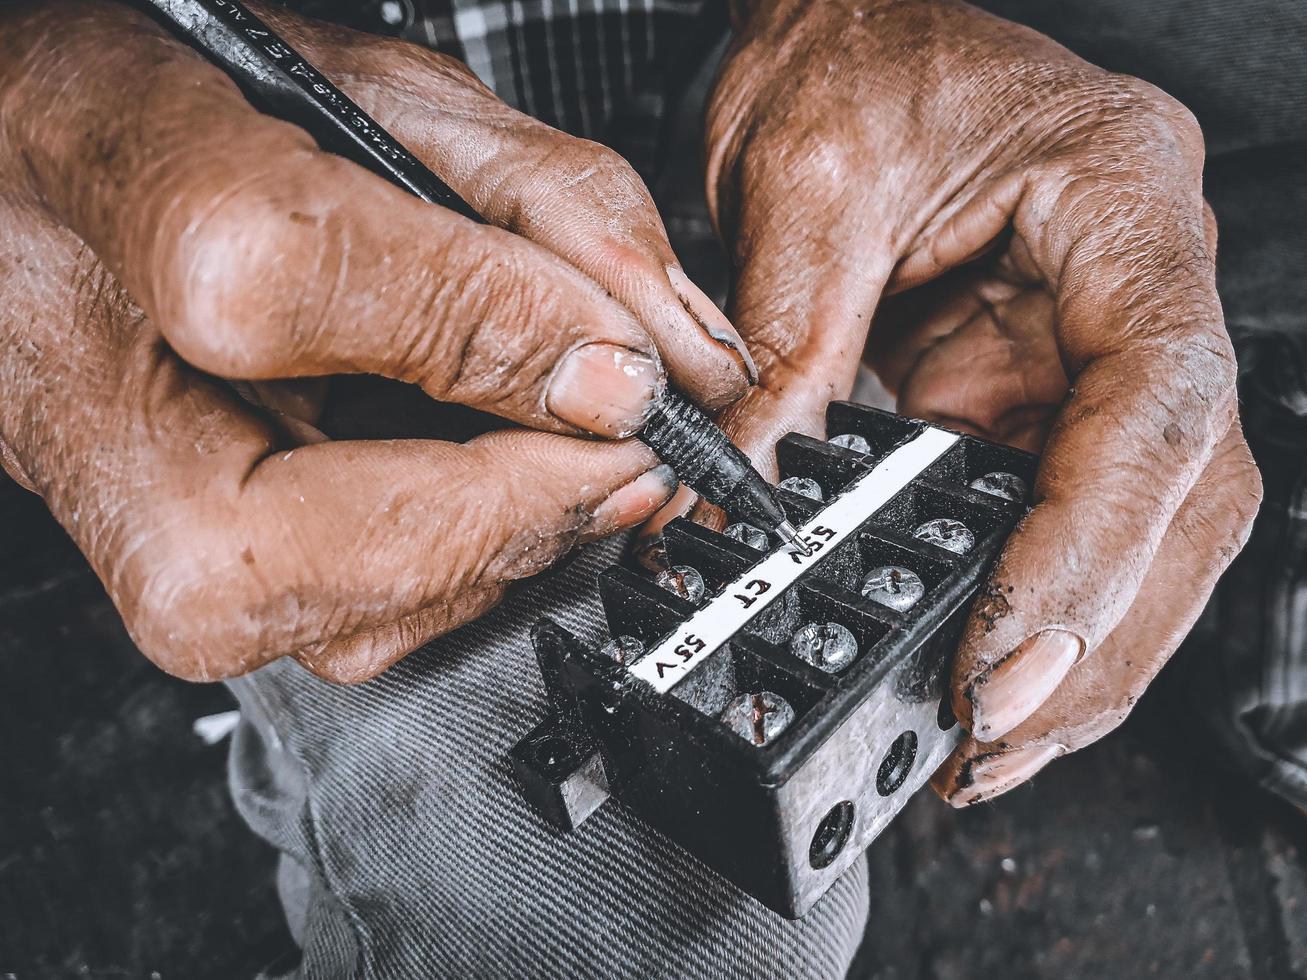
(121, 855)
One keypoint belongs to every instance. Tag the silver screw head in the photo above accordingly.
(894, 586)
(852, 441)
(829, 646)
(946, 533)
(754, 537)
(392, 12)
(624, 650)
(804, 486)
(684, 581)
(758, 717)
(1009, 486)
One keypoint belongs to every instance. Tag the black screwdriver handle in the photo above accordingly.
(275, 76)
(707, 461)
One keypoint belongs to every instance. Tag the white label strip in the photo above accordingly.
(708, 628)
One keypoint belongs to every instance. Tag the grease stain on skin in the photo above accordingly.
(966, 775)
(994, 605)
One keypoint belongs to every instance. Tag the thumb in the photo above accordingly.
(804, 297)
(802, 302)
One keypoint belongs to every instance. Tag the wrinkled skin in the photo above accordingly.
(1027, 231)
(1030, 234)
(158, 235)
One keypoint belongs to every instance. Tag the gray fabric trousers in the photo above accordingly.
(408, 851)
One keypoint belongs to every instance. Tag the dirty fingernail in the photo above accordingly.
(711, 320)
(1007, 693)
(605, 389)
(634, 502)
(990, 775)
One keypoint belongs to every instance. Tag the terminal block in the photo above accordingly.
(771, 711)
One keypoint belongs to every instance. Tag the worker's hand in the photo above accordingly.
(1040, 226)
(158, 234)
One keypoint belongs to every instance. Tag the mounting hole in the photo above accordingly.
(553, 751)
(946, 719)
(896, 765)
(395, 15)
(831, 836)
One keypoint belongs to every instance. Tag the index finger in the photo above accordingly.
(1153, 373)
(576, 198)
(259, 256)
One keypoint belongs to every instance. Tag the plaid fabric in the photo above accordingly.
(1245, 665)
(607, 70)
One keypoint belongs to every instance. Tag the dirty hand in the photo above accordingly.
(1030, 233)
(158, 234)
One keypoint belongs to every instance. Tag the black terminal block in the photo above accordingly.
(773, 722)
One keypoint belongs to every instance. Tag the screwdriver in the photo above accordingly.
(279, 80)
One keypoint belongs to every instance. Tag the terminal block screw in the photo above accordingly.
(804, 486)
(754, 537)
(759, 717)
(1009, 486)
(894, 586)
(851, 440)
(829, 646)
(684, 581)
(944, 532)
(624, 650)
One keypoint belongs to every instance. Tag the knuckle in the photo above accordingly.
(1164, 121)
(590, 176)
(1209, 216)
(1095, 721)
(345, 672)
(503, 546)
(1241, 485)
(530, 551)
(630, 234)
(229, 303)
(351, 661)
(398, 65)
(1248, 492)
(1177, 119)
(1176, 396)
(822, 168)
(1202, 360)
(497, 283)
(1211, 231)
(183, 606)
(1140, 147)
(490, 348)
(585, 165)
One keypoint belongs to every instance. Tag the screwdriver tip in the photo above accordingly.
(791, 537)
